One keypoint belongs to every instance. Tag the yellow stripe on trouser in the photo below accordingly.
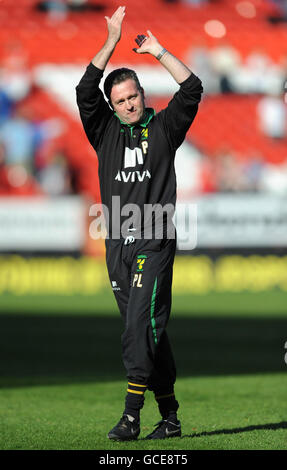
(137, 385)
(135, 391)
(164, 396)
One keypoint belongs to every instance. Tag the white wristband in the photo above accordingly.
(159, 56)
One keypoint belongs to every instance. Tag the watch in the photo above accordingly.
(162, 52)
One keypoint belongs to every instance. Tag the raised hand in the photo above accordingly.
(147, 44)
(114, 24)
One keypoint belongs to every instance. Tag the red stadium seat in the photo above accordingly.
(224, 120)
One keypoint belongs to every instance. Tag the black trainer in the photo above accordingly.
(125, 430)
(166, 429)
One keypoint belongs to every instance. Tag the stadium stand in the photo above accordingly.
(32, 35)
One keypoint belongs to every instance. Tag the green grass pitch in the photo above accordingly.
(63, 384)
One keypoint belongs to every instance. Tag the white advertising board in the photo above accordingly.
(42, 224)
(235, 220)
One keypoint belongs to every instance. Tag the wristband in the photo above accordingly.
(159, 56)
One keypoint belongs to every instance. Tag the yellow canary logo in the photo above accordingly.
(145, 133)
(140, 263)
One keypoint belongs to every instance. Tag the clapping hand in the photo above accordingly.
(115, 24)
(147, 44)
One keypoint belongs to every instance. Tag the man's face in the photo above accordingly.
(128, 101)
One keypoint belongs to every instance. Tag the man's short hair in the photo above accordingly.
(118, 76)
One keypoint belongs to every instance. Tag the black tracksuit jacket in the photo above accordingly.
(136, 162)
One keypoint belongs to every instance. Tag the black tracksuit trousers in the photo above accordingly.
(141, 278)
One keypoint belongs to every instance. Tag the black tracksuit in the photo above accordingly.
(136, 163)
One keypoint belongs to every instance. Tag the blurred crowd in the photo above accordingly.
(229, 172)
(57, 10)
(31, 162)
(223, 71)
(281, 15)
